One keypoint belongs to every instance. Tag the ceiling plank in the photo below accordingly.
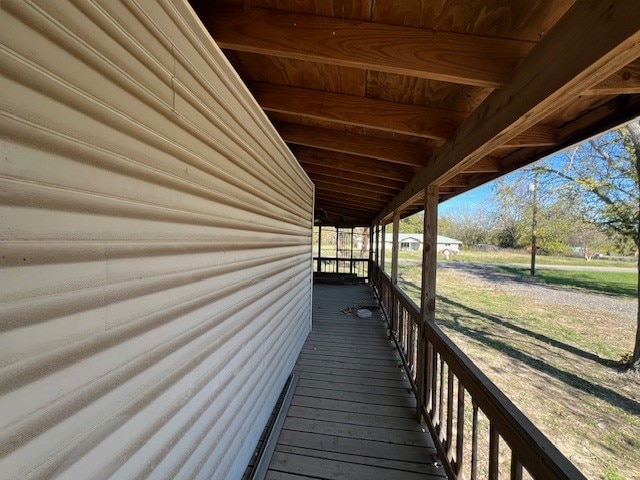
(416, 120)
(389, 150)
(353, 163)
(451, 57)
(593, 40)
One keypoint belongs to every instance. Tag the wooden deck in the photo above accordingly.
(352, 415)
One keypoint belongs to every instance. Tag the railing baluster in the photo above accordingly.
(494, 452)
(429, 374)
(460, 431)
(441, 401)
(449, 415)
(474, 444)
(516, 467)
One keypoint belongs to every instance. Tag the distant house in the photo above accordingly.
(413, 242)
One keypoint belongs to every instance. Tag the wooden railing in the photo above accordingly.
(357, 266)
(479, 432)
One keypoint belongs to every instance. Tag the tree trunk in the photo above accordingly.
(634, 133)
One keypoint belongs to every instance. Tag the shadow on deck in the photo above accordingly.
(353, 414)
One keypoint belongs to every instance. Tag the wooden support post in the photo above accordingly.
(378, 245)
(395, 248)
(369, 269)
(427, 297)
(382, 246)
(429, 254)
(319, 265)
(351, 253)
(337, 250)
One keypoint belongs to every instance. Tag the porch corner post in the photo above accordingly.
(424, 370)
(395, 248)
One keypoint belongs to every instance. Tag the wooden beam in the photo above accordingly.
(313, 169)
(455, 182)
(593, 40)
(484, 165)
(429, 255)
(389, 150)
(416, 120)
(624, 81)
(353, 163)
(395, 251)
(450, 57)
(425, 122)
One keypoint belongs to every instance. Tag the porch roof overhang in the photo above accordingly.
(378, 99)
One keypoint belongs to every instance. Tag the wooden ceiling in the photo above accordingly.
(380, 98)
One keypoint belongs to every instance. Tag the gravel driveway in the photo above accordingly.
(556, 295)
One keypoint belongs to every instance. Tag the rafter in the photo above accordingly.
(353, 163)
(352, 183)
(367, 194)
(592, 41)
(348, 202)
(382, 115)
(394, 151)
(364, 178)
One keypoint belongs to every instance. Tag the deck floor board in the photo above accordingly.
(352, 415)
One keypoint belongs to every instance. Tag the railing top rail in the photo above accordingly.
(534, 450)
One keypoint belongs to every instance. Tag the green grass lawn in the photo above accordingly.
(510, 257)
(624, 284)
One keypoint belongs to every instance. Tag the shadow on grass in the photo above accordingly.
(604, 393)
(412, 288)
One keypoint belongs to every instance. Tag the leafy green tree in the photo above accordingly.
(412, 224)
(470, 225)
(604, 172)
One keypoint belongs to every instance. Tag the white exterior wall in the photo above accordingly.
(155, 247)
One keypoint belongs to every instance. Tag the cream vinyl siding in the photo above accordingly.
(155, 247)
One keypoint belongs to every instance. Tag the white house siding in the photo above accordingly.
(155, 238)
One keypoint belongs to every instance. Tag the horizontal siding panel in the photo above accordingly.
(155, 241)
